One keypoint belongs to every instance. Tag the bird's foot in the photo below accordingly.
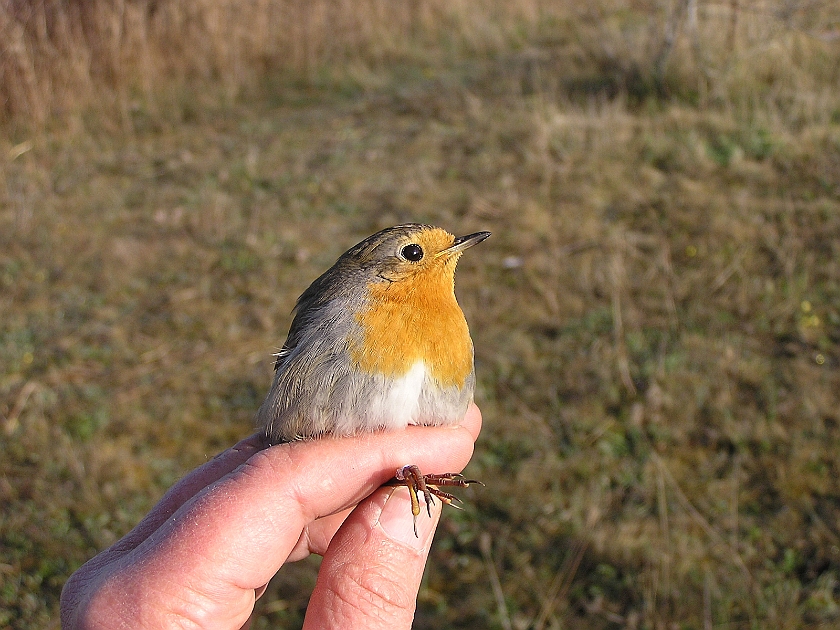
(418, 483)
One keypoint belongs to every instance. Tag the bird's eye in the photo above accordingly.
(412, 252)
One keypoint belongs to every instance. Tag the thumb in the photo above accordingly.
(371, 572)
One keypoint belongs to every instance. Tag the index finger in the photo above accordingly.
(245, 525)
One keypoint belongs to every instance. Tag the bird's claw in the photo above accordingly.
(418, 483)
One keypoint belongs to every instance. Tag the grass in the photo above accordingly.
(656, 318)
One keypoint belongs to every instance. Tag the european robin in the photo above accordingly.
(378, 342)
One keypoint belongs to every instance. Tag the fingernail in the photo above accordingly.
(398, 522)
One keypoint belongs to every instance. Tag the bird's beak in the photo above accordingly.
(465, 242)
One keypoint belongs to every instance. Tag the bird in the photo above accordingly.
(379, 342)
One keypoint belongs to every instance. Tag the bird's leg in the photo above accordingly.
(417, 483)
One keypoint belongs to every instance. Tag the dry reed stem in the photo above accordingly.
(486, 547)
(559, 587)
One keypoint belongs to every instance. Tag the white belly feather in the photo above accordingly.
(398, 405)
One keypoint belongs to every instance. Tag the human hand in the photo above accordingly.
(205, 553)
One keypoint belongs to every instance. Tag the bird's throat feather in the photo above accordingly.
(403, 324)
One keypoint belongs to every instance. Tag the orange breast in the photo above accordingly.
(404, 323)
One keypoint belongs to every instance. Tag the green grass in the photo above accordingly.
(656, 322)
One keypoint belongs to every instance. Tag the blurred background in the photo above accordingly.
(656, 318)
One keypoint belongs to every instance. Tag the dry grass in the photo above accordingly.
(60, 57)
(656, 318)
